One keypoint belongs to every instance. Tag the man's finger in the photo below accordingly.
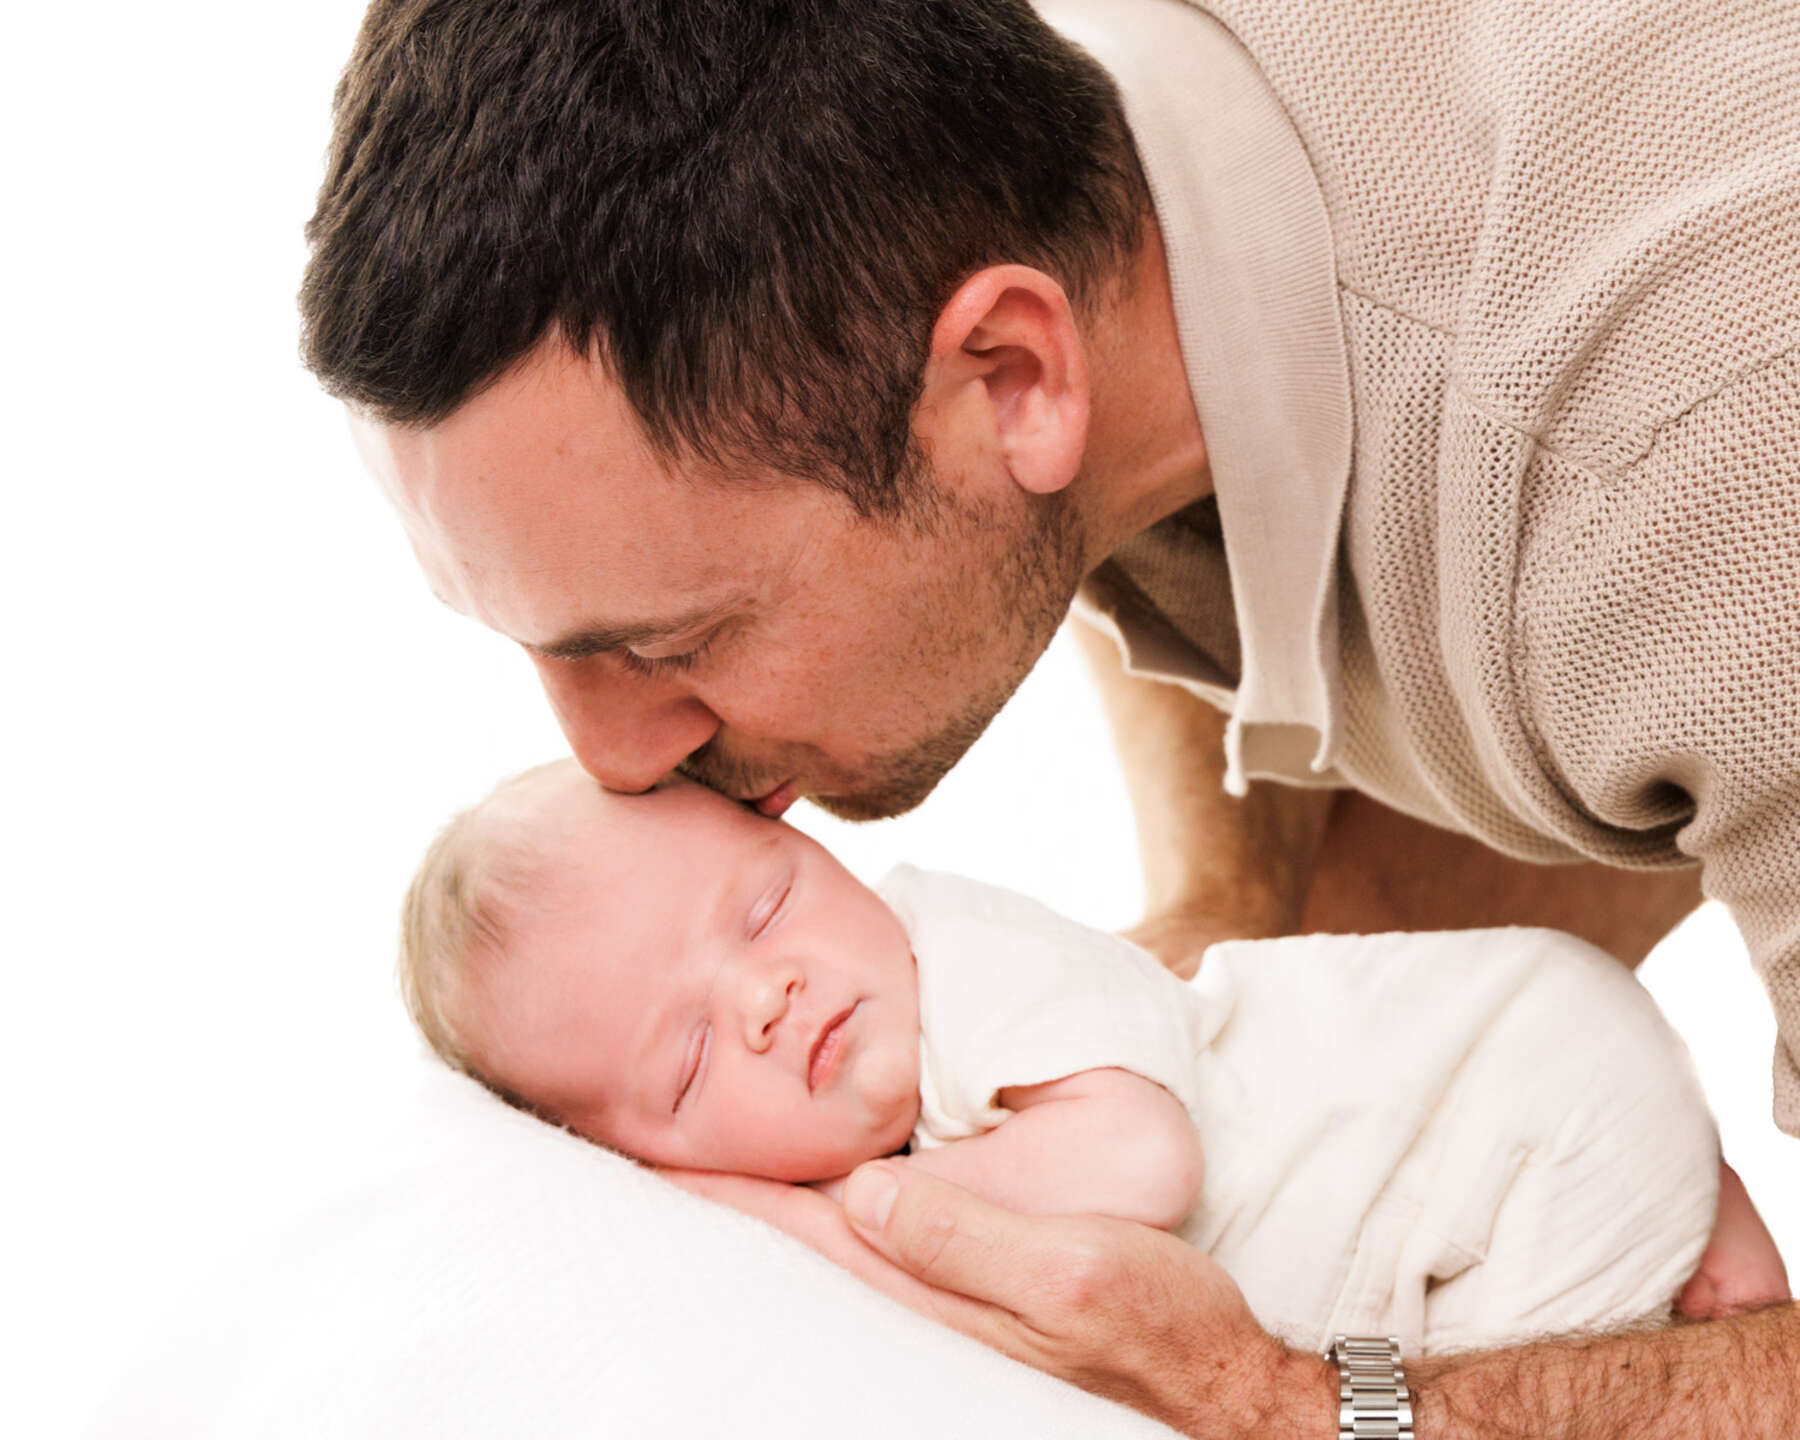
(1117, 1308)
(814, 1220)
(1742, 1269)
(955, 1240)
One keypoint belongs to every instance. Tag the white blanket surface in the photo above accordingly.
(491, 1276)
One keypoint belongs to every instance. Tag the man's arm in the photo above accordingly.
(1101, 1142)
(1216, 867)
(1138, 1316)
(1731, 1379)
(1284, 860)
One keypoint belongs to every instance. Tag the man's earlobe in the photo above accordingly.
(1008, 348)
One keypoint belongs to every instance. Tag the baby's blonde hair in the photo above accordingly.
(460, 908)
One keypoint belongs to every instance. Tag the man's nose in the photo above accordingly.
(626, 731)
(765, 993)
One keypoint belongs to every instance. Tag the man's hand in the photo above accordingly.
(801, 1211)
(1120, 1309)
(816, 1220)
(1136, 1315)
(832, 1189)
(1741, 1269)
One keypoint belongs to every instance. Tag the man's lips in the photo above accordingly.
(828, 1050)
(777, 800)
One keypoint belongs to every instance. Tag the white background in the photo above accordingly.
(234, 715)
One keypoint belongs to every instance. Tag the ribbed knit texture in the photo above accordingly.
(1567, 239)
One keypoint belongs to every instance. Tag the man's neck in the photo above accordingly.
(1145, 455)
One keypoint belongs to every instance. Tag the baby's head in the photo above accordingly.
(669, 973)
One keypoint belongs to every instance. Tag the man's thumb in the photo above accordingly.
(869, 1195)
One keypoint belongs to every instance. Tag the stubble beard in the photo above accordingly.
(1027, 578)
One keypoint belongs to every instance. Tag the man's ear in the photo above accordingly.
(1007, 371)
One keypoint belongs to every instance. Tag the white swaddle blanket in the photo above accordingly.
(1459, 1138)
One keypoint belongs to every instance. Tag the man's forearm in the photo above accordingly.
(1143, 1318)
(1735, 1379)
(1214, 864)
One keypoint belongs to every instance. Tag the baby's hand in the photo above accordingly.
(1741, 1269)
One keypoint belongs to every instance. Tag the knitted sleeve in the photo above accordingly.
(1657, 658)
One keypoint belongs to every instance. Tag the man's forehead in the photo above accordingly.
(569, 568)
(553, 437)
(539, 509)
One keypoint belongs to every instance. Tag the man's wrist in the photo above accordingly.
(1302, 1399)
(1374, 1402)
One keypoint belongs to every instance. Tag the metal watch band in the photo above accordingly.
(1373, 1401)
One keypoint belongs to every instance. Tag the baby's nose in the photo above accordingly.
(768, 996)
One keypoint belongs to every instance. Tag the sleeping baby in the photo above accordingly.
(1458, 1139)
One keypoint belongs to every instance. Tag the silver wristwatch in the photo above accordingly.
(1373, 1400)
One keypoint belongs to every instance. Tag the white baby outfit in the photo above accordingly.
(1461, 1139)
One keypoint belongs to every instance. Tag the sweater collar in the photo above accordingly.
(1254, 283)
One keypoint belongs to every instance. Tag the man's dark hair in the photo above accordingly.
(752, 212)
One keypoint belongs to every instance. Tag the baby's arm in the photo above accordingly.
(1100, 1142)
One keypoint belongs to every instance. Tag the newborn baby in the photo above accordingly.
(1457, 1139)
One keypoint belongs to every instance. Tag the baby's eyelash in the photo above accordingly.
(663, 664)
(757, 926)
(693, 1073)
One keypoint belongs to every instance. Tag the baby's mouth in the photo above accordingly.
(827, 1050)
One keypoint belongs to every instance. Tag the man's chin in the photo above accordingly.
(877, 803)
(904, 781)
(890, 784)
(883, 803)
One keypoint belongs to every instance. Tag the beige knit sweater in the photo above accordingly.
(1491, 311)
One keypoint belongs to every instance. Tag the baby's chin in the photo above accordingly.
(889, 1083)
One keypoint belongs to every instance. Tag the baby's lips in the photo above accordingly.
(827, 1050)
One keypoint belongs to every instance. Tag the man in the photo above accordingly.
(775, 373)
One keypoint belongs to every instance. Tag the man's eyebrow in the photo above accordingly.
(597, 639)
